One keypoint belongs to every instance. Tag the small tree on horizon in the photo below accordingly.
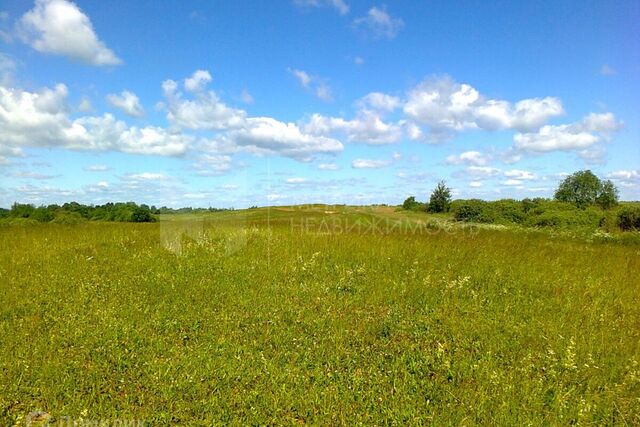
(440, 199)
(409, 203)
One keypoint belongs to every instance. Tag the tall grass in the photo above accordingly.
(249, 324)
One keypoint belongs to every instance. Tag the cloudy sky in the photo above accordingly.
(239, 103)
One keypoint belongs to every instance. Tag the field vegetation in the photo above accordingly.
(328, 315)
(582, 204)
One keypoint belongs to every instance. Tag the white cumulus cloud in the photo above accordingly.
(446, 107)
(268, 135)
(379, 101)
(128, 102)
(367, 127)
(576, 136)
(41, 118)
(629, 179)
(59, 27)
(198, 81)
(625, 174)
(204, 111)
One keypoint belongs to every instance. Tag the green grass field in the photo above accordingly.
(324, 316)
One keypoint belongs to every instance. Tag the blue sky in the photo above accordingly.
(252, 103)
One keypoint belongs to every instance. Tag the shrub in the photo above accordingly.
(563, 215)
(142, 214)
(410, 203)
(474, 210)
(42, 214)
(629, 218)
(533, 213)
(548, 219)
(527, 205)
(609, 222)
(508, 210)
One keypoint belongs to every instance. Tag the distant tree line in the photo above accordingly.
(74, 212)
(581, 200)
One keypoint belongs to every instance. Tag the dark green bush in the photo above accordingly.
(629, 218)
(548, 219)
(509, 210)
(42, 214)
(410, 203)
(529, 212)
(530, 204)
(474, 210)
(565, 215)
(142, 214)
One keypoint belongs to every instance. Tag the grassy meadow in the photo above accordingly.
(317, 315)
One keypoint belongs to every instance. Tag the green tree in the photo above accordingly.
(581, 188)
(142, 214)
(409, 203)
(608, 196)
(440, 199)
